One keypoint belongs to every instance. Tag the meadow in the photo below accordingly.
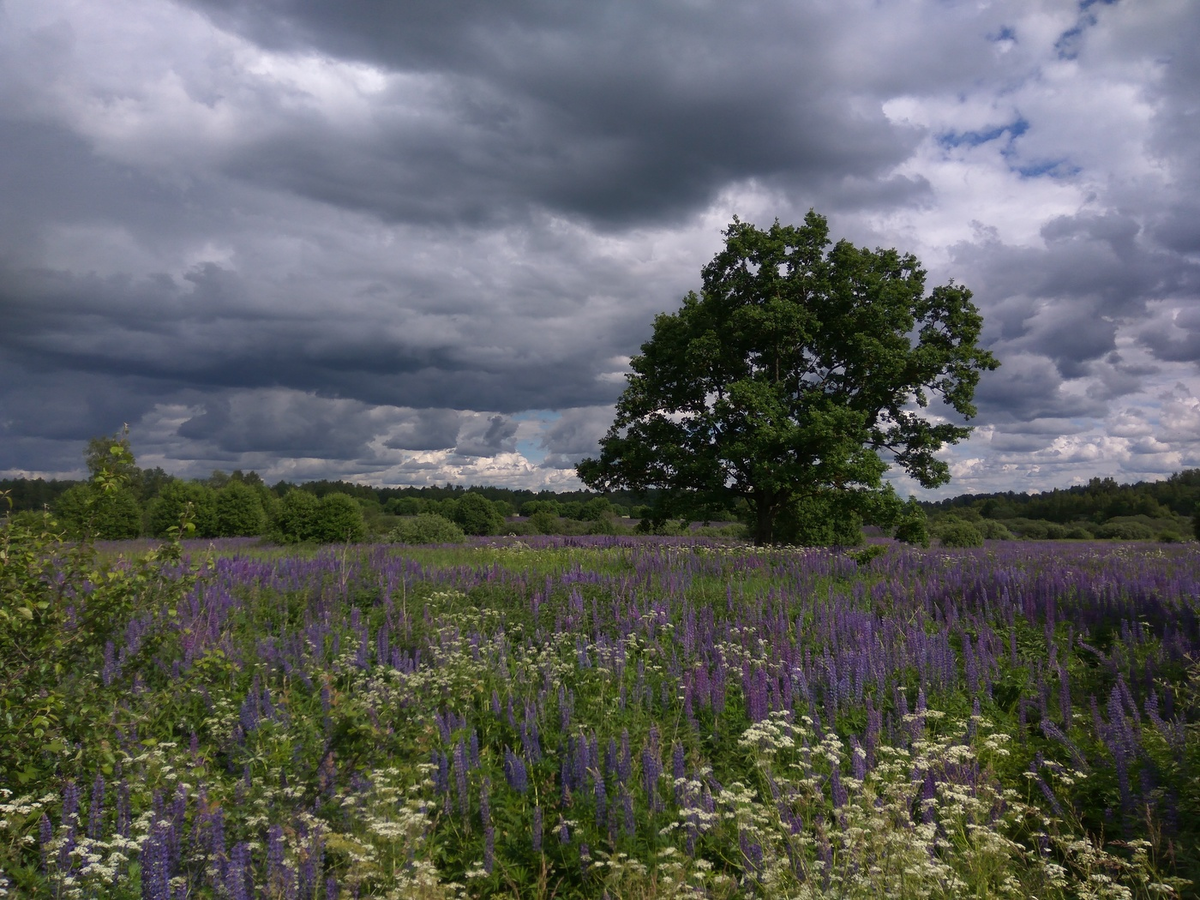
(602, 716)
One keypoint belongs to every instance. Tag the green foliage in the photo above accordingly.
(1196, 522)
(823, 520)
(912, 526)
(1124, 531)
(545, 521)
(994, 531)
(404, 506)
(239, 511)
(428, 528)
(533, 507)
(475, 514)
(112, 515)
(53, 633)
(296, 518)
(596, 509)
(178, 497)
(960, 534)
(788, 376)
(339, 520)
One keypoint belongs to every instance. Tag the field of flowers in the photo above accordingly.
(631, 718)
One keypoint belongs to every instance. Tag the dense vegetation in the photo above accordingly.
(646, 717)
(653, 717)
(241, 504)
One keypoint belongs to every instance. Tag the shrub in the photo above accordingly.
(1124, 531)
(428, 528)
(296, 518)
(238, 511)
(994, 531)
(85, 511)
(912, 526)
(544, 521)
(475, 514)
(174, 499)
(339, 519)
(960, 534)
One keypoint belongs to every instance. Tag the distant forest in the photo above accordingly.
(1102, 508)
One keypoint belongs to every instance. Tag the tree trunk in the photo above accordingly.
(764, 523)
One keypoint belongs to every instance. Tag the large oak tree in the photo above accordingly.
(795, 377)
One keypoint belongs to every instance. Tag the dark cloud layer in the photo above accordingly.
(419, 242)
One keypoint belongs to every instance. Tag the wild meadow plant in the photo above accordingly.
(620, 717)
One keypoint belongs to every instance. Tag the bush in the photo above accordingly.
(543, 521)
(174, 498)
(85, 511)
(960, 534)
(1124, 531)
(238, 511)
(475, 514)
(912, 526)
(404, 506)
(339, 520)
(533, 507)
(296, 518)
(823, 521)
(428, 528)
(993, 530)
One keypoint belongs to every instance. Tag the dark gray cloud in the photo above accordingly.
(419, 242)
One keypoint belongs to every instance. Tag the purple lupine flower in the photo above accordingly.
(485, 806)
(155, 863)
(45, 834)
(96, 808)
(514, 772)
(601, 802)
(123, 814)
(489, 848)
(627, 809)
(70, 803)
(275, 854)
(625, 760)
(239, 879)
(460, 776)
(564, 832)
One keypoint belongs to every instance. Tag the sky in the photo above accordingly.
(418, 242)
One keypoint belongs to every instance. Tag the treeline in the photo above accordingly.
(150, 502)
(1102, 508)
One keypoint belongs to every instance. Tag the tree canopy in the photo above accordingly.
(795, 377)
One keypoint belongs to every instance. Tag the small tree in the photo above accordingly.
(296, 518)
(239, 511)
(912, 526)
(339, 519)
(174, 499)
(475, 514)
(792, 375)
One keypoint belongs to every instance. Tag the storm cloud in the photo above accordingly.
(417, 243)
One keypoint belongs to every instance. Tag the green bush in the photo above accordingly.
(174, 498)
(960, 534)
(1124, 531)
(86, 511)
(428, 528)
(993, 530)
(339, 520)
(295, 518)
(475, 514)
(239, 511)
(823, 521)
(544, 521)
(912, 526)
